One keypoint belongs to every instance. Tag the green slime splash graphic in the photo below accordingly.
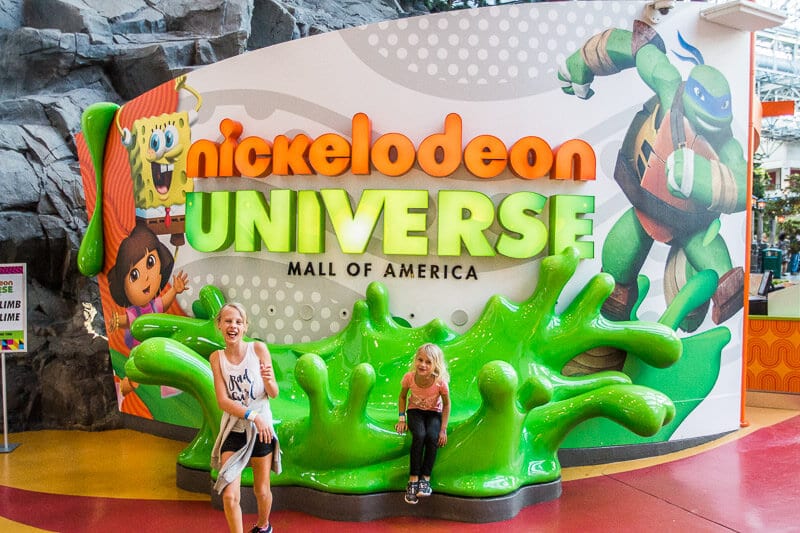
(687, 382)
(95, 122)
(338, 397)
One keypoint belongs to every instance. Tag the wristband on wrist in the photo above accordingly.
(403, 415)
(250, 415)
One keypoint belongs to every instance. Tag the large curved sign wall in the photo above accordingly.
(416, 174)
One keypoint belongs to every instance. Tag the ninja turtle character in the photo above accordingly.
(157, 147)
(679, 166)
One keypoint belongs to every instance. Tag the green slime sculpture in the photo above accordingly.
(338, 398)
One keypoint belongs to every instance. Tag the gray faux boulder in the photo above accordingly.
(58, 57)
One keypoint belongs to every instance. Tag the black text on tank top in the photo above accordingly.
(240, 386)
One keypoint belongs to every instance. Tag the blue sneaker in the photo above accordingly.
(257, 529)
(424, 488)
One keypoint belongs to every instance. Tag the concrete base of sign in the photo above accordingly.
(599, 455)
(193, 480)
(366, 507)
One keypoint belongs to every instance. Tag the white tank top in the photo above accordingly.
(243, 382)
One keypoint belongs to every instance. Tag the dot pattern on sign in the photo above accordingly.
(476, 54)
(459, 317)
(277, 309)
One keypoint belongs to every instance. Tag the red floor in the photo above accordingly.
(749, 484)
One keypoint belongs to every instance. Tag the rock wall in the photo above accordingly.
(58, 57)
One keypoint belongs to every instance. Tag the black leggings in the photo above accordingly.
(424, 427)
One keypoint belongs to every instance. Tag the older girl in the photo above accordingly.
(244, 382)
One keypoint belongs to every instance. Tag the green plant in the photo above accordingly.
(788, 203)
(759, 180)
(792, 228)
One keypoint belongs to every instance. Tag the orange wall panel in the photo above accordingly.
(773, 355)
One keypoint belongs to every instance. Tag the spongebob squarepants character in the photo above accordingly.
(679, 166)
(157, 148)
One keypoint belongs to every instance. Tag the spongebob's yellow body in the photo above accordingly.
(157, 148)
(157, 158)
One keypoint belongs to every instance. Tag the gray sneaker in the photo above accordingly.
(411, 493)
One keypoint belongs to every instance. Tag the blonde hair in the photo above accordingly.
(233, 305)
(436, 355)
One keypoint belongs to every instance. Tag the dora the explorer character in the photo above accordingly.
(138, 277)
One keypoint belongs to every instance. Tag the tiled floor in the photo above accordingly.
(70, 481)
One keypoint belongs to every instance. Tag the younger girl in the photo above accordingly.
(244, 381)
(428, 413)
